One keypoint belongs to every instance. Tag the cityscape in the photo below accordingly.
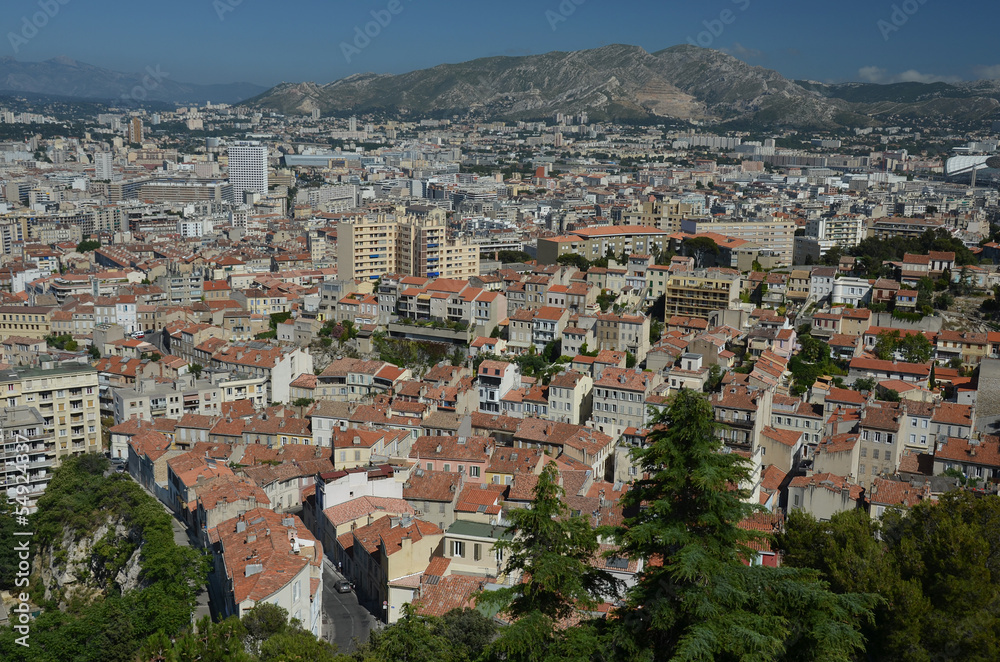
(578, 351)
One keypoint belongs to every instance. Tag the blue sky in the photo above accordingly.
(265, 42)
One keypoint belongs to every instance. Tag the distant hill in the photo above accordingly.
(69, 78)
(628, 83)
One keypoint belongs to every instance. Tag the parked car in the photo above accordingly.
(343, 586)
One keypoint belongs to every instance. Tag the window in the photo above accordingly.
(477, 552)
(875, 454)
(430, 466)
(474, 472)
(447, 467)
(864, 452)
(861, 470)
(458, 548)
(357, 456)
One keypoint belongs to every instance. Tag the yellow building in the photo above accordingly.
(371, 245)
(662, 214)
(698, 293)
(67, 398)
(25, 321)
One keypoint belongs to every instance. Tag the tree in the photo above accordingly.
(714, 378)
(196, 369)
(552, 350)
(696, 599)
(279, 318)
(94, 352)
(630, 360)
(936, 570)
(574, 260)
(655, 331)
(510, 257)
(886, 345)
(890, 395)
(916, 348)
(495, 333)
(87, 246)
(556, 550)
(944, 301)
(865, 384)
(699, 247)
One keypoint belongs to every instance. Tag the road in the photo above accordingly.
(344, 620)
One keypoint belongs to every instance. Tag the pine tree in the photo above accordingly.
(556, 551)
(696, 598)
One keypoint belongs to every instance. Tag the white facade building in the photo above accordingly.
(248, 168)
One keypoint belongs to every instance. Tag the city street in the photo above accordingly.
(345, 622)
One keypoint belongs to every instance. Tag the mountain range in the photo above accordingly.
(628, 83)
(65, 77)
(620, 82)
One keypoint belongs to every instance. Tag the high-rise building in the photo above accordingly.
(411, 242)
(315, 113)
(67, 398)
(352, 124)
(103, 166)
(247, 168)
(135, 130)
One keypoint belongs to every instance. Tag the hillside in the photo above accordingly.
(106, 571)
(628, 83)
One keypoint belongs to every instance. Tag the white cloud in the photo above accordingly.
(872, 74)
(991, 72)
(914, 76)
(880, 75)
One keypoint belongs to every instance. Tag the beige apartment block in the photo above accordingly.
(371, 245)
(67, 398)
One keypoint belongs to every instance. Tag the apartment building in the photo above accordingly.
(262, 556)
(570, 397)
(25, 322)
(665, 214)
(843, 230)
(496, 379)
(371, 245)
(620, 399)
(595, 242)
(623, 333)
(773, 235)
(27, 455)
(699, 293)
(66, 396)
(451, 300)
